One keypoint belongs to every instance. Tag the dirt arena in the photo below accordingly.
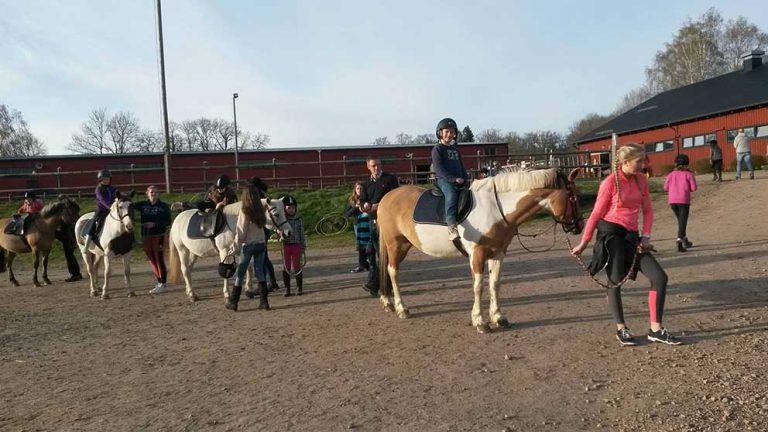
(334, 360)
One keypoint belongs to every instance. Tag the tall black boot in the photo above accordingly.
(263, 294)
(2, 261)
(234, 298)
(287, 283)
(299, 283)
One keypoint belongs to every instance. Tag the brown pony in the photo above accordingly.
(501, 204)
(38, 237)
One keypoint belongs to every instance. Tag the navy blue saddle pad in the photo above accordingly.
(430, 208)
(206, 225)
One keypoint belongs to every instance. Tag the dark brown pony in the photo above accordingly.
(501, 204)
(38, 237)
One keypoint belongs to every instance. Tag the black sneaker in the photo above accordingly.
(664, 337)
(625, 338)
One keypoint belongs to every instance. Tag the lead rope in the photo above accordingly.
(592, 277)
(554, 238)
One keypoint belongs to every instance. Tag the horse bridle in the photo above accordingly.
(571, 216)
(271, 209)
(120, 215)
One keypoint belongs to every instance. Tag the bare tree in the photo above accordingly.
(225, 135)
(256, 141)
(16, 140)
(425, 139)
(381, 141)
(93, 136)
(585, 125)
(124, 131)
(148, 141)
(403, 138)
(490, 135)
(740, 37)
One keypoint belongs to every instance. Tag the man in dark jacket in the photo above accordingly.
(373, 191)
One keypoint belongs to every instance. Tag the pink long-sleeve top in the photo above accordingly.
(35, 206)
(634, 196)
(680, 184)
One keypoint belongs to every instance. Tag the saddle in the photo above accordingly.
(18, 224)
(430, 208)
(206, 225)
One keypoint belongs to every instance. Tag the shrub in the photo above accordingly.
(663, 170)
(758, 163)
(702, 166)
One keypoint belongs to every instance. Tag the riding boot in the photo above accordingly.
(2, 261)
(287, 283)
(263, 296)
(680, 245)
(234, 298)
(299, 283)
(687, 243)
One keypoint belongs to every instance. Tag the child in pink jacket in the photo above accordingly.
(679, 184)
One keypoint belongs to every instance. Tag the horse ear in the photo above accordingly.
(573, 174)
(131, 195)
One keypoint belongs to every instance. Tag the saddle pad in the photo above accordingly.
(18, 225)
(206, 225)
(86, 228)
(430, 209)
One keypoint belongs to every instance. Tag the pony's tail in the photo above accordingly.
(2, 260)
(385, 286)
(174, 267)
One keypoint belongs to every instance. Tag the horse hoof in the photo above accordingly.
(14, 283)
(403, 314)
(388, 307)
(483, 328)
(37, 284)
(193, 298)
(130, 294)
(503, 323)
(105, 296)
(46, 281)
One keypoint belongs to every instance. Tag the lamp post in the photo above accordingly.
(234, 116)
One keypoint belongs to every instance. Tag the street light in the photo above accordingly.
(234, 115)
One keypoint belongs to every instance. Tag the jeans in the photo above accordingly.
(255, 251)
(747, 158)
(451, 192)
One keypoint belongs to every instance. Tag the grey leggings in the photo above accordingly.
(648, 266)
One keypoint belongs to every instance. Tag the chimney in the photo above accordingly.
(753, 60)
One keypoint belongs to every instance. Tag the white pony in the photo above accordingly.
(119, 221)
(185, 251)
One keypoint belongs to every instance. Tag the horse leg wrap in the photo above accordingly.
(287, 283)
(263, 296)
(299, 283)
(234, 298)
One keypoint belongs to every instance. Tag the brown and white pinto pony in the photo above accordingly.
(501, 204)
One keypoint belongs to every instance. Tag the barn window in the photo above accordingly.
(698, 140)
(762, 131)
(748, 131)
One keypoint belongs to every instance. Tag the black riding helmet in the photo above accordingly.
(30, 195)
(446, 123)
(290, 201)
(227, 270)
(222, 182)
(682, 159)
(103, 174)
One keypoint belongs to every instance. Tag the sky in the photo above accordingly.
(333, 72)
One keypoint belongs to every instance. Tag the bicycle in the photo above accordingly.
(332, 224)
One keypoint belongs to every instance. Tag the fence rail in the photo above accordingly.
(312, 174)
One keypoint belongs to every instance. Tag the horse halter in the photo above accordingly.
(120, 215)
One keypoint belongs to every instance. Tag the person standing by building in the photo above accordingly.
(449, 169)
(155, 219)
(716, 160)
(616, 217)
(353, 212)
(373, 191)
(679, 184)
(294, 247)
(743, 154)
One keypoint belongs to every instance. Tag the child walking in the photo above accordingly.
(679, 184)
(716, 160)
(353, 211)
(293, 247)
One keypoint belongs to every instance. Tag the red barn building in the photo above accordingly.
(683, 120)
(194, 171)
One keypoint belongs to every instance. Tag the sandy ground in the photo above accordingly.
(334, 360)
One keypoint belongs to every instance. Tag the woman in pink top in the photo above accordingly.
(680, 183)
(616, 216)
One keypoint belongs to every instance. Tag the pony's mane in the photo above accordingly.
(52, 209)
(517, 180)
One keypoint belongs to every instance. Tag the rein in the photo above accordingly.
(592, 277)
